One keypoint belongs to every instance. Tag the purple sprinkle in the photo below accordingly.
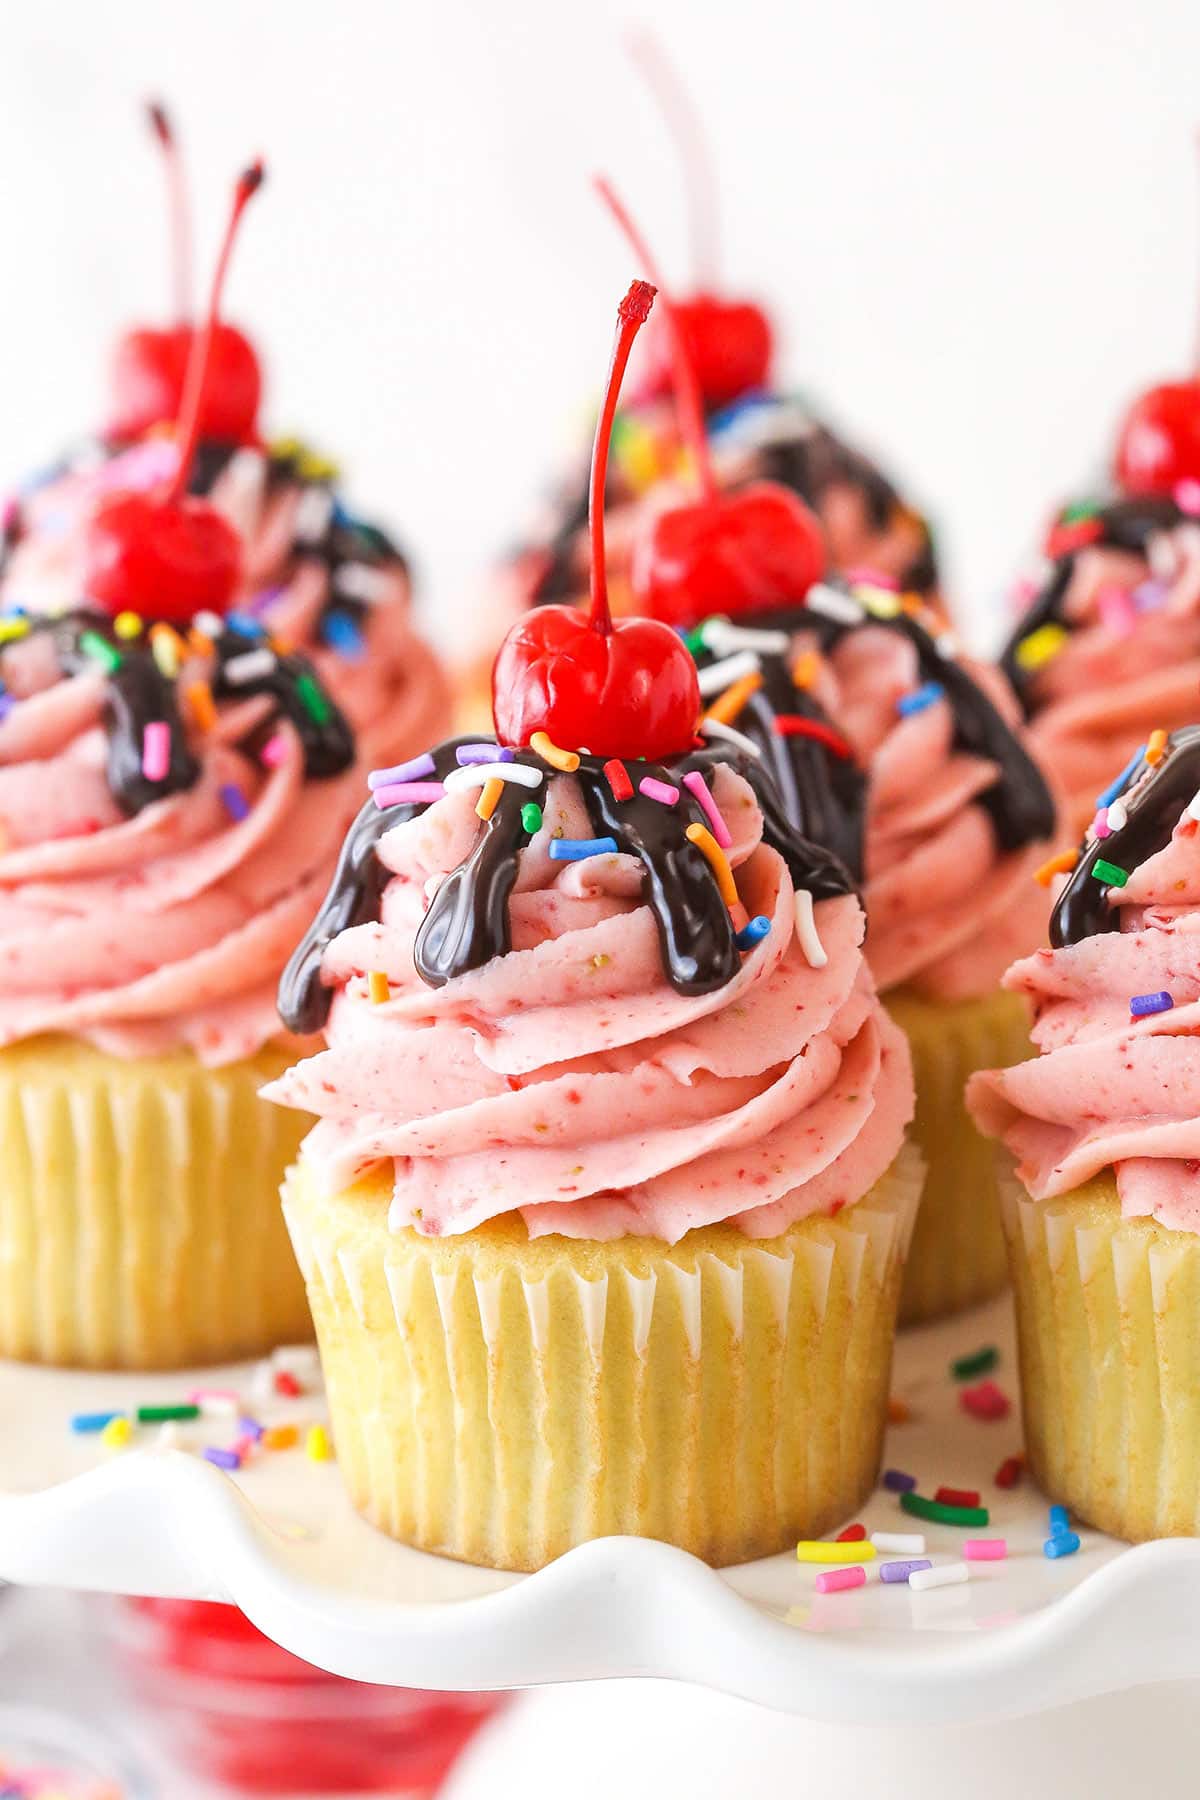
(1150, 596)
(267, 597)
(6, 705)
(410, 793)
(409, 771)
(900, 1571)
(224, 1459)
(236, 803)
(250, 1427)
(897, 1482)
(482, 753)
(1141, 1006)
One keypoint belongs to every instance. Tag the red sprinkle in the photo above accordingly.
(985, 1401)
(853, 1534)
(618, 780)
(286, 1383)
(794, 725)
(948, 1496)
(1010, 1471)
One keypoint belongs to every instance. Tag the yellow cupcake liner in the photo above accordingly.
(957, 1257)
(501, 1400)
(139, 1209)
(1108, 1321)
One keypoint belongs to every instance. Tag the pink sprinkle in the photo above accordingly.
(866, 577)
(198, 1396)
(1100, 824)
(696, 785)
(1187, 497)
(244, 1447)
(410, 793)
(156, 750)
(661, 791)
(1115, 606)
(274, 750)
(985, 1401)
(985, 1549)
(832, 1581)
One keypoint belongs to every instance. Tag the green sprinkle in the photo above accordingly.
(313, 699)
(965, 1368)
(531, 817)
(92, 644)
(1109, 872)
(1077, 512)
(943, 1515)
(694, 641)
(164, 1415)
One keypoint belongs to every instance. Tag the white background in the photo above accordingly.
(976, 224)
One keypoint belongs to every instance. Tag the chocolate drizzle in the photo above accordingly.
(467, 924)
(1155, 798)
(1127, 525)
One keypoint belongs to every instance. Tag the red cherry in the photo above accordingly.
(617, 690)
(745, 552)
(1158, 445)
(165, 555)
(728, 343)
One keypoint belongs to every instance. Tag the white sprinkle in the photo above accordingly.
(713, 728)
(723, 638)
(1163, 555)
(300, 1360)
(901, 1543)
(241, 669)
(720, 675)
(806, 931)
(169, 1437)
(946, 1576)
(832, 604)
(476, 774)
(1117, 817)
(313, 512)
(210, 623)
(947, 645)
(1192, 809)
(359, 581)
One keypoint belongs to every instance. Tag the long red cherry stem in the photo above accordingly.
(178, 208)
(685, 124)
(688, 398)
(191, 407)
(632, 314)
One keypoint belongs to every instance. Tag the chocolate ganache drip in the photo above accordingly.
(467, 923)
(1153, 799)
(1124, 525)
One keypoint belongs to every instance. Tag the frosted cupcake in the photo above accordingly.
(1103, 1211)
(604, 1216)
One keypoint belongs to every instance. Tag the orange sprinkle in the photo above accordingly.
(1156, 745)
(805, 669)
(717, 860)
(281, 646)
(899, 1412)
(726, 707)
(548, 750)
(199, 642)
(200, 702)
(377, 987)
(489, 798)
(279, 1437)
(1062, 864)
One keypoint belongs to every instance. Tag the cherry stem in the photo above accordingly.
(683, 120)
(632, 314)
(191, 408)
(688, 399)
(177, 207)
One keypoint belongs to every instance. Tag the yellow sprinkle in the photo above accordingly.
(279, 1437)
(201, 705)
(377, 987)
(726, 707)
(1062, 864)
(1040, 646)
(489, 797)
(709, 848)
(809, 1551)
(117, 1433)
(806, 668)
(312, 466)
(127, 624)
(881, 602)
(1156, 746)
(168, 648)
(566, 760)
(12, 629)
(316, 1444)
(637, 455)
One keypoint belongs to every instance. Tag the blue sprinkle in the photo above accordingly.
(900, 1571)
(1060, 1519)
(236, 803)
(1116, 787)
(7, 702)
(1063, 1543)
(243, 625)
(919, 699)
(897, 1482)
(481, 753)
(753, 933)
(754, 400)
(82, 1422)
(342, 634)
(1142, 1005)
(224, 1459)
(575, 849)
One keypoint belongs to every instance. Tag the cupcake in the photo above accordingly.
(1102, 1164)
(173, 790)
(604, 1216)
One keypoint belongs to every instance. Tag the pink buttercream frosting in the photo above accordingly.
(1107, 1091)
(1130, 665)
(169, 928)
(569, 1082)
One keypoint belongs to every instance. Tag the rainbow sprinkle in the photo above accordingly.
(378, 990)
(416, 770)
(753, 932)
(662, 791)
(978, 1362)
(236, 803)
(156, 750)
(819, 1550)
(920, 700)
(699, 789)
(1111, 873)
(1038, 648)
(1143, 1006)
(833, 1581)
(489, 798)
(577, 849)
(937, 1513)
(410, 793)
(531, 817)
(617, 777)
(717, 860)
(1062, 864)
(477, 753)
(807, 935)
(565, 760)
(106, 654)
(1116, 787)
(728, 705)
(795, 725)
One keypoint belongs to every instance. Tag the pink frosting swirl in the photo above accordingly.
(167, 929)
(1108, 1091)
(569, 1082)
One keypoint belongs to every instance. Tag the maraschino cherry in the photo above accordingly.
(624, 689)
(747, 551)
(166, 555)
(728, 342)
(150, 364)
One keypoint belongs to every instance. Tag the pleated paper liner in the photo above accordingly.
(500, 1400)
(139, 1209)
(957, 1257)
(1108, 1320)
